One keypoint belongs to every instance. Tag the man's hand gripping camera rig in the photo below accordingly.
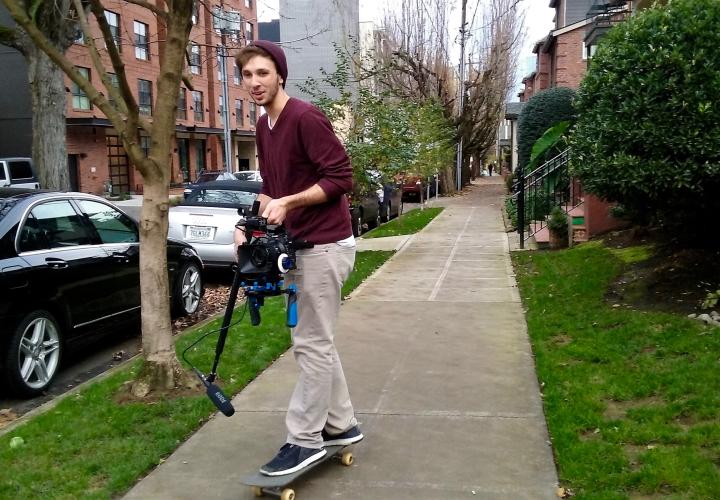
(268, 253)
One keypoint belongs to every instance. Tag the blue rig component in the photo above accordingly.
(257, 292)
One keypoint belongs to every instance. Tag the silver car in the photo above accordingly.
(206, 218)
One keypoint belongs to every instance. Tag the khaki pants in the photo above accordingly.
(321, 398)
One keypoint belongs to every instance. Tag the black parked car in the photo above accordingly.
(373, 203)
(207, 176)
(69, 271)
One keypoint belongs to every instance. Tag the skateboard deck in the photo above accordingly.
(276, 485)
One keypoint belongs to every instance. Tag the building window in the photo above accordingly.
(80, 99)
(182, 105)
(221, 108)
(220, 62)
(236, 76)
(145, 145)
(239, 112)
(249, 31)
(116, 84)
(195, 63)
(145, 97)
(198, 109)
(199, 155)
(142, 45)
(253, 114)
(194, 15)
(248, 4)
(113, 20)
(80, 37)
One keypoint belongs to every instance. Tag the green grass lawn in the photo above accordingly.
(408, 223)
(632, 398)
(90, 447)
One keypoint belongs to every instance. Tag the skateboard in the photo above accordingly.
(276, 485)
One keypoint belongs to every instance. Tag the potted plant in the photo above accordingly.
(558, 228)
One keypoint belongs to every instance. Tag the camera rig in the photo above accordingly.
(267, 255)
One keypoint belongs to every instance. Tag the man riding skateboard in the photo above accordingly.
(306, 173)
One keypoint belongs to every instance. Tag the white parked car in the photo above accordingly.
(18, 173)
(206, 218)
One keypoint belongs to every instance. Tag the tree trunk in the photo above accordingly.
(47, 88)
(162, 370)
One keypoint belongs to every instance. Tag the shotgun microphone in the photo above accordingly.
(217, 396)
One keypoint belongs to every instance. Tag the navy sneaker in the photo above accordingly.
(350, 436)
(291, 458)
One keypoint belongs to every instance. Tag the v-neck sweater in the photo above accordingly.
(299, 151)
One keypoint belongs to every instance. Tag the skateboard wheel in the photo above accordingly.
(347, 458)
(287, 494)
(257, 491)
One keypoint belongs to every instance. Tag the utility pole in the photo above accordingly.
(226, 107)
(461, 89)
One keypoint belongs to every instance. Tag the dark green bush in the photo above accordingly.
(541, 112)
(648, 134)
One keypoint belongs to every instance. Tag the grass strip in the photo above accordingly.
(408, 223)
(631, 397)
(90, 447)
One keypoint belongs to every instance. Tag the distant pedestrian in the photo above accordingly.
(490, 169)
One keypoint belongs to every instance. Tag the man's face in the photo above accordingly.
(261, 79)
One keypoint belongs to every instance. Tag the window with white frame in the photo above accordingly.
(145, 97)
(195, 62)
(236, 76)
(80, 100)
(239, 112)
(253, 114)
(194, 15)
(145, 145)
(142, 44)
(220, 62)
(248, 4)
(182, 104)
(248, 31)
(79, 37)
(113, 21)
(221, 109)
(198, 106)
(115, 83)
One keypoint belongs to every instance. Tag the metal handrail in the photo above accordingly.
(547, 186)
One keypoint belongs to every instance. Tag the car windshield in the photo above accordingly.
(220, 197)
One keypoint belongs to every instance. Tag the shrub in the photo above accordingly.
(648, 134)
(542, 111)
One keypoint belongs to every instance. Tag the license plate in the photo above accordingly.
(199, 233)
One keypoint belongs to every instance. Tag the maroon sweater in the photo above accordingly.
(299, 151)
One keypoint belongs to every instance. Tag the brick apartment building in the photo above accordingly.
(96, 158)
(562, 56)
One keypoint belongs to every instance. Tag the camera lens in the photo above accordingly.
(259, 256)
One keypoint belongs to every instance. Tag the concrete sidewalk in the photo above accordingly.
(439, 365)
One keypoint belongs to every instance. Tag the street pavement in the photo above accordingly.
(436, 353)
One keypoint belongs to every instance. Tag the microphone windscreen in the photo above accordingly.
(220, 400)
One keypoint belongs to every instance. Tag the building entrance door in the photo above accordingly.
(73, 172)
(184, 156)
(118, 165)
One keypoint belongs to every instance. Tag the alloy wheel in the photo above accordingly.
(39, 352)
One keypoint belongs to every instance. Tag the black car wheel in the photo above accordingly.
(187, 290)
(33, 355)
(387, 212)
(357, 223)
